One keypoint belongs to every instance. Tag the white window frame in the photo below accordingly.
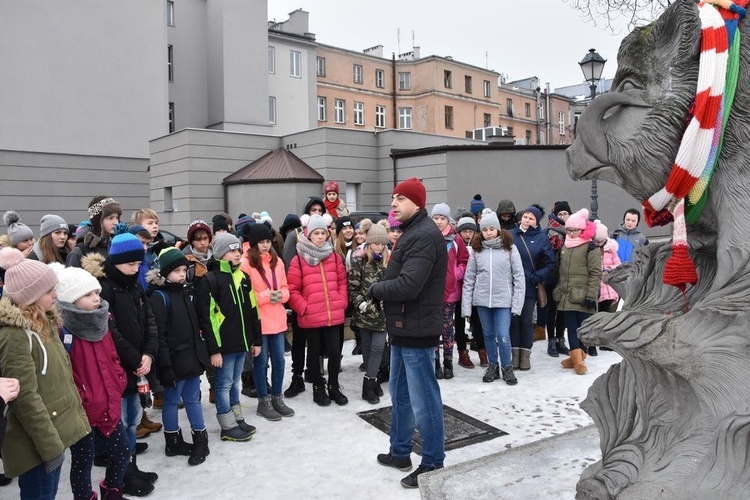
(404, 80)
(170, 63)
(322, 108)
(272, 110)
(339, 111)
(295, 63)
(380, 116)
(271, 59)
(170, 118)
(170, 13)
(561, 122)
(321, 71)
(357, 73)
(487, 88)
(379, 78)
(404, 118)
(359, 113)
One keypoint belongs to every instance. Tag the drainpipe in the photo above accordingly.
(395, 109)
(549, 122)
(537, 94)
(395, 176)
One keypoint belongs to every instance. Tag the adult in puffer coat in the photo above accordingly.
(318, 294)
(580, 278)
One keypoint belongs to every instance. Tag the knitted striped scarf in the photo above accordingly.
(700, 145)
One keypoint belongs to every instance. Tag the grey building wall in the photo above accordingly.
(296, 97)
(278, 199)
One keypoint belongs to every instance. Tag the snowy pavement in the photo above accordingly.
(330, 452)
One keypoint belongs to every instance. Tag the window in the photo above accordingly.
(171, 117)
(168, 203)
(449, 117)
(295, 63)
(404, 118)
(339, 111)
(528, 137)
(510, 132)
(509, 107)
(380, 116)
(561, 122)
(527, 110)
(448, 79)
(321, 66)
(487, 89)
(467, 84)
(359, 113)
(379, 78)
(271, 59)
(170, 13)
(404, 82)
(357, 73)
(170, 63)
(322, 104)
(272, 110)
(487, 120)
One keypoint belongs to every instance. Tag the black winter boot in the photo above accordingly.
(134, 485)
(552, 347)
(248, 385)
(200, 448)
(368, 391)
(334, 391)
(509, 376)
(320, 396)
(176, 445)
(448, 368)
(561, 347)
(438, 370)
(491, 373)
(151, 477)
(297, 386)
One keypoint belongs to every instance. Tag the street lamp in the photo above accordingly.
(592, 66)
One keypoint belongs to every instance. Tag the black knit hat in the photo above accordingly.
(258, 233)
(561, 206)
(220, 223)
(170, 259)
(343, 222)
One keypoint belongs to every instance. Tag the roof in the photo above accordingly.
(279, 165)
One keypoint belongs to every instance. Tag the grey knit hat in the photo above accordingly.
(441, 209)
(17, 230)
(225, 242)
(466, 223)
(490, 220)
(51, 223)
(316, 222)
(377, 234)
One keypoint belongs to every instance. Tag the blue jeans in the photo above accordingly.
(188, 390)
(131, 417)
(415, 396)
(273, 344)
(37, 484)
(227, 393)
(496, 328)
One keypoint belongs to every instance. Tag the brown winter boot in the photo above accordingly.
(483, 361)
(516, 357)
(464, 359)
(540, 333)
(578, 365)
(569, 362)
(524, 361)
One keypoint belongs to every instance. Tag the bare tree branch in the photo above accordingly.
(609, 12)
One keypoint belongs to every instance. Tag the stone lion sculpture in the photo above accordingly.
(674, 415)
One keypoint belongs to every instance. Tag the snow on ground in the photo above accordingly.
(330, 452)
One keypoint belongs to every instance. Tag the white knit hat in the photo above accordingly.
(73, 283)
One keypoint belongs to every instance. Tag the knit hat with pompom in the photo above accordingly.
(578, 220)
(17, 231)
(125, 247)
(602, 233)
(25, 280)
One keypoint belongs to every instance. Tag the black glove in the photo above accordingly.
(589, 304)
(53, 464)
(167, 377)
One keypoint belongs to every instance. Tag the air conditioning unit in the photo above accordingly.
(521, 141)
(483, 134)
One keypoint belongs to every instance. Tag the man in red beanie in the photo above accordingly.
(412, 297)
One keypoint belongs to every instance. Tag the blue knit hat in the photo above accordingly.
(125, 247)
(477, 205)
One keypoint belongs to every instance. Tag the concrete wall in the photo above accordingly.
(295, 96)
(34, 184)
(278, 199)
(68, 76)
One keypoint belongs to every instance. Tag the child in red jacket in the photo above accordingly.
(100, 380)
(318, 294)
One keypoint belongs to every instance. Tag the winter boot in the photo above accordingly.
(176, 445)
(515, 352)
(281, 407)
(368, 391)
(561, 347)
(266, 410)
(158, 401)
(150, 477)
(509, 376)
(211, 395)
(438, 370)
(578, 365)
(483, 361)
(200, 448)
(491, 373)
(297, 386)
(148, 424)
(334, 391)
(230, 431)
(448, 368)
(237, 410)
(248, 385)
(592, 351)
(357, 349)
(464, 359)
(540, 333)
(110, 493)
(133, 484)
(524, 361)
(320, 396)
(552, 348)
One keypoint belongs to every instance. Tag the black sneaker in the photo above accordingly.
(412, 480)
(403, 463)
(297, 386)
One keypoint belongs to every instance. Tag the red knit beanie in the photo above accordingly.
(331, 186)
(414, 190)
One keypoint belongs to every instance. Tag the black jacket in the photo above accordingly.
(181, 347)
(412, 289)
(227, 310)
(91, 244)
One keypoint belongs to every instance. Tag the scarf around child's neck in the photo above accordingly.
(91, 326)
(312, 254)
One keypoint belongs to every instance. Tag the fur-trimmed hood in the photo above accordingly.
(11, 315)
(94, 264)
(154, 278)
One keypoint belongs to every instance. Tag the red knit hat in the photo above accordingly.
(331, 186)
(198, 225)
(414, 190)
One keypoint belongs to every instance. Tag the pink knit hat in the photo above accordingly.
(602, 233)
(578, 220)
(25, 280)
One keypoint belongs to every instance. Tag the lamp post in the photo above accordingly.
(592, 66)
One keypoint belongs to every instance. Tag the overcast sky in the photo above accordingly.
(520, 38)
